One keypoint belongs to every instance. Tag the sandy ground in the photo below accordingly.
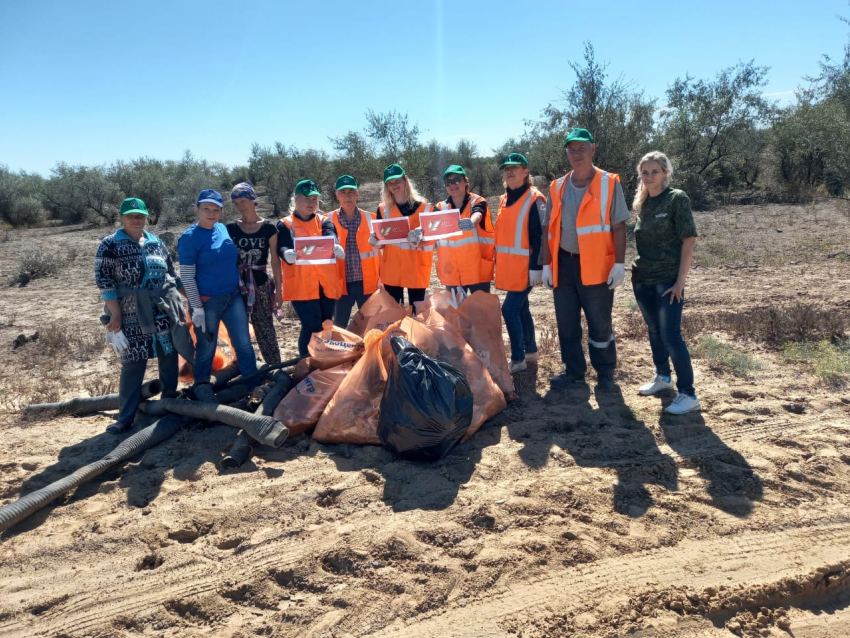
(567, 514)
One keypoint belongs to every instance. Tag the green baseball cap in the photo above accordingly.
(307, 187)
(133, 205)
(345, 181)
(578, 135)
(513, 159)
(393, 171)
(454, 169)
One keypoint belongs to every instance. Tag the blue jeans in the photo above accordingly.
(664, 324)
(231, 310)
(571, 297)
(344, 305)
(312, 313)
(519, 324)
(132, 375)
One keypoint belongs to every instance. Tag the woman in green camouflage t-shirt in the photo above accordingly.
(665, 235)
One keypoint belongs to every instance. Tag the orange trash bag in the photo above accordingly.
(478, 319)
(185, 370)
(301, 408)
(437, 339)
(352, 414)
(378, 313)
(334, 345)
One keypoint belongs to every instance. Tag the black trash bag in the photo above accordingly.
(427, 405)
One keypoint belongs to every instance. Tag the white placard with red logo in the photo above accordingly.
(314, 251)
(440, 225)
(391, 231)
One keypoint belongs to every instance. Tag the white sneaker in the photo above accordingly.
(658, 384)
(532, 356)
(518, 366)
(683, 404)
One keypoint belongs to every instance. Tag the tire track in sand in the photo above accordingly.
(748, 558)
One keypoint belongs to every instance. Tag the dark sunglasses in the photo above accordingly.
(453, 182)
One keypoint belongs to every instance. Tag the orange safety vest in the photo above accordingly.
(512, 248)
(369, 255)
(466, 259)
(301, 281)
(402, 264)
(593, 226)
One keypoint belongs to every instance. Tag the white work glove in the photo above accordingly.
(535, 277)
(373, 239)
(414, 237)
(616, 276)
(548, 281)
(465, 224)
(289, 256)
(199, 319)
(118, 340)
(458, 295)
(339, 251)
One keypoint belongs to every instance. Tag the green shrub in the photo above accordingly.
(831, 362)
(727, 356)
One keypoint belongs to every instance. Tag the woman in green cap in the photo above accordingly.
(466, 262)
(311, 288)
(362, 261)
(406, 265)
(133, 268)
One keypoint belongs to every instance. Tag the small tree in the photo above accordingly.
(82, 193)
(708, 125)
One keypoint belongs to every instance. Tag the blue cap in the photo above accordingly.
(210, 195)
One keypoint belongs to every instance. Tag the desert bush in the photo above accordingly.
(26, 212)
(77, 194)
(777, 325)
(831, 361)
(38, 265)
(725, 356)
(61, 342)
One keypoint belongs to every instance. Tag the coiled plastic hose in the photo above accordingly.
(31, 503)
(89, 405)
(265, 429)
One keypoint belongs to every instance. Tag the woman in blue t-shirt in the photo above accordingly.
(210, 276)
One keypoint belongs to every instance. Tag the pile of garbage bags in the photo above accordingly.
(416, 384)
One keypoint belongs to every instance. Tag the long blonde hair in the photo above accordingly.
(412, 195)
(666, 166)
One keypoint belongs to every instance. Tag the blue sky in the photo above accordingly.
(90, 82)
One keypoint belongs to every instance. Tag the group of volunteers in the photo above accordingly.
(572, 240)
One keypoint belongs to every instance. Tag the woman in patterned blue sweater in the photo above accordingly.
(132, 268)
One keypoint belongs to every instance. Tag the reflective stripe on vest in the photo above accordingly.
(603, 206)
(517, 248)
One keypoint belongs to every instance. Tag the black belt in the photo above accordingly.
(567, 252)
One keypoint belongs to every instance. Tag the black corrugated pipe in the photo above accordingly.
(265, 429)
(89, 405)
(241, 449)
(260, 371)
(147, 438)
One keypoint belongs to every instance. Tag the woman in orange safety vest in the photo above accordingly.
(312, 288)
(519, 235)
(466, 261)
(353, 227)
(405, 265)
